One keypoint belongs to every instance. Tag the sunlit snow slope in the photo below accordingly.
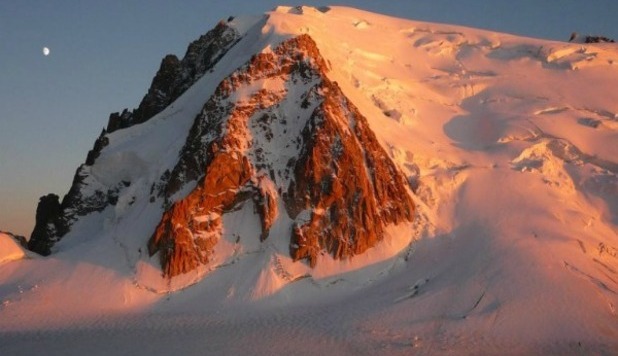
(10, 250)
(510, 145)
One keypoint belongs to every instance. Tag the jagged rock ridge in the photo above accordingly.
(332, 177)
(173, 78)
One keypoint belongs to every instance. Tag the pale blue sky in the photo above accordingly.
(105, 53)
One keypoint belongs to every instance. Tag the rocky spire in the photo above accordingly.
(48, 225)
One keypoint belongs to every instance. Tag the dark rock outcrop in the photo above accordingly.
(341, 188)
(176, 76)
(598, 39)
(589, 39)
(48, 225)
(99, 144)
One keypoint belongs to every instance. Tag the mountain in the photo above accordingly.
(279, 132)
(328, 180)
(276, 136)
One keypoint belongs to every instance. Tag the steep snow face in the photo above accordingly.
(509, 144)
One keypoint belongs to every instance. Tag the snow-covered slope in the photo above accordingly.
(508, 143)
(10, 249)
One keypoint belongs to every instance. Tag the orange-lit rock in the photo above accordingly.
(347, 182)
(341, 188)
(183, 241)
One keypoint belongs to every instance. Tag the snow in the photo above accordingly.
(10, 249)
(509, 144)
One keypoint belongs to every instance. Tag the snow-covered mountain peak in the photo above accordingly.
(442, 177)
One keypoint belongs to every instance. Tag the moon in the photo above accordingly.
(45, 51)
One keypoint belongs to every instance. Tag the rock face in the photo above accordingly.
(599, 39)
(279, 132)
(346, 180)
(48, 226)
(99, 144)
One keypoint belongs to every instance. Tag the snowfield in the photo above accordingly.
(509, 143)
